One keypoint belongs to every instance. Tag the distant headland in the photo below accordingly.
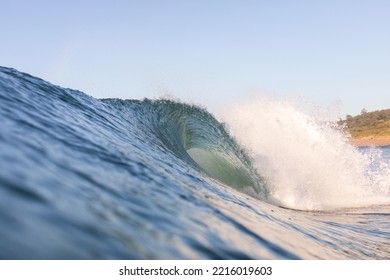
(369, 128)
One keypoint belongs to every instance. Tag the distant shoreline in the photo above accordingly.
(371, 141)
(368, 128)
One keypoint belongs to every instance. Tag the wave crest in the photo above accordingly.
(193, 135)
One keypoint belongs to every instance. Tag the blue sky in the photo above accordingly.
(209, 52)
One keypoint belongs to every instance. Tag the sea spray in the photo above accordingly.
(307, 163)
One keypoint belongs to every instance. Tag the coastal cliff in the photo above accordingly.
(369, 128)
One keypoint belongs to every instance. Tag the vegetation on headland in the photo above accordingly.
(368, 124)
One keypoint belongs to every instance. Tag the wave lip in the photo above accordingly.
(195, 136)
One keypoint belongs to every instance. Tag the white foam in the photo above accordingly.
(307, 163)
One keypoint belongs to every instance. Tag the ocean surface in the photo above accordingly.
(86, 178)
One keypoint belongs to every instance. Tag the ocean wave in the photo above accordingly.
(107, 178)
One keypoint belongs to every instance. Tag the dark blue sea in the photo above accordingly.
(87, 178)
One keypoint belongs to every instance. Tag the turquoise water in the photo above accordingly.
(86, 178)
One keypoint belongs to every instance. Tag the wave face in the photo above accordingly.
(83, 178)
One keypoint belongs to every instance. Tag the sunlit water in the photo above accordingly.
(83, 178)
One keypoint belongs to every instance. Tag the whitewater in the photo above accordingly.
(87, 178)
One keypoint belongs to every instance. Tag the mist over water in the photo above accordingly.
(307, 163)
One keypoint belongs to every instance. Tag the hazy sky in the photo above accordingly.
(211, 52)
